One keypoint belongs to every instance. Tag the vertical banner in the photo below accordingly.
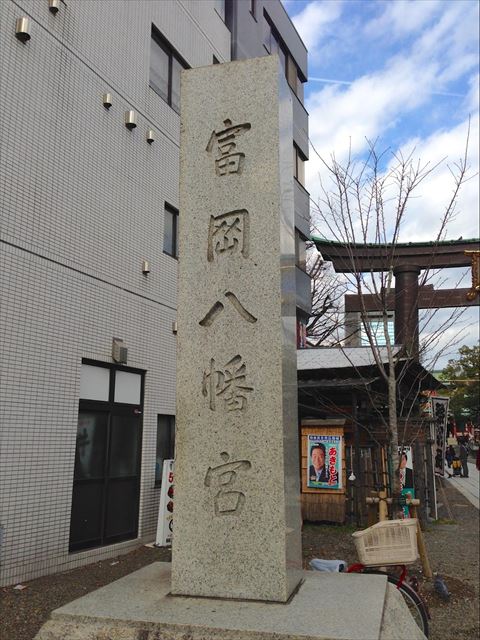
(324, 464)
(440, 415)
(165, 512)
(406, 475)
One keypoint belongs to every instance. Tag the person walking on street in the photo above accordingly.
(463, 455)
(449, 455)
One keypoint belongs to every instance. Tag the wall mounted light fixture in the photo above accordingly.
(107, 100)
(54, 6)
(22, 29)
(145, 267)
(130, 119)
(119, 351)
(150, 136)
(174, 326)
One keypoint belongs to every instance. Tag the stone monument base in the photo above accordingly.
(328, 606)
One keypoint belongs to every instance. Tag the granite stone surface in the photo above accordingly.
(139, 606)
(397, 623)
(237, 507)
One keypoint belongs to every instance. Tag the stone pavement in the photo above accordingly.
(327, 606)
(468, 487)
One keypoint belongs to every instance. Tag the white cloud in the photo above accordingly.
(426, 210)
(314, 21)
(472, 99)
(368, 107)
(401, 18)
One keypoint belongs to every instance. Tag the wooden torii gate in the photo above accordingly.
(407, 260)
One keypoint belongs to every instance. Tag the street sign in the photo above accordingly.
(165, 512)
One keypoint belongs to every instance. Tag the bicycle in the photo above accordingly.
(390, 543)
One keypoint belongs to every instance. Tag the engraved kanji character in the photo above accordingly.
(230, 383)
(228, 233)
(226, 502)
(227, 162)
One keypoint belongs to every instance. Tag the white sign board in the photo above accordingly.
(165, 512)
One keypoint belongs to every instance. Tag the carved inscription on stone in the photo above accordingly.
(229, 233)
(228, 384)
(228, 159)
(218, 307)
(223, 477)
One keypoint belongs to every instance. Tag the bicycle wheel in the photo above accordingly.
(411, 598)
(414, 604)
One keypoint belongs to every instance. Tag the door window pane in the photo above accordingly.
(123, 446)
(159, 63)
(94, 382)
(122, 507)
(91, 445)
(128, 387)
(85, 525)
(165, 444)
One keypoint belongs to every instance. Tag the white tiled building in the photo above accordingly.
(85, 203)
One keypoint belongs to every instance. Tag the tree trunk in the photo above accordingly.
(393, 431)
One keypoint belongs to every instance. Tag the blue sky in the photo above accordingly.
(404, 73)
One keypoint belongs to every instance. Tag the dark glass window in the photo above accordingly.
(215, 60)
(273, 43)
(298, 165)
(165, 444)
(165, 68)
(91, 444)
(253, 8)
(123, 447)
(300, 251)
(170, 231)
(159, 69)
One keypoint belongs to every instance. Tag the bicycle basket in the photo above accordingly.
(388, 542)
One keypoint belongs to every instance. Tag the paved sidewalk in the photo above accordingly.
(468, 487)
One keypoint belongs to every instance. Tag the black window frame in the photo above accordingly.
(174, 212)
(253, 9)
(172, 53)
(299, 157)
(274, 34)
(111, 409)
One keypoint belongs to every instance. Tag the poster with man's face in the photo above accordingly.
(406, 476)
(406, 467)
(324, 462)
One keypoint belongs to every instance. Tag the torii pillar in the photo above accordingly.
(406, 307)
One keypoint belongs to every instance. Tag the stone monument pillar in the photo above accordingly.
(237, 508)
